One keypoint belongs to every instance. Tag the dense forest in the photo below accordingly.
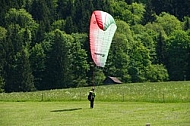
(44, 44)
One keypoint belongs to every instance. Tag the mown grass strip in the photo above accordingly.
(104, 114)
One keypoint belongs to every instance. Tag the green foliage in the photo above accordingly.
(161, 49)
(186, 23)
(139, 60)
(23, 72)
(178, 54)
(17, 70)
(57, 61)
(37, 61)
(59, 24)
(169, 23)
(121, 11)
(48, 42)
(19, 73)
(124, 28)
(98, 77)
(177, 8)
(155, 28)
(149, 14)
(69, 25)
(118, 58)
(3, 32)
(79, 65)
(63, 8)
(156, 73)
(2, 84)
(137, 13)
(146, 37)
(20, 17)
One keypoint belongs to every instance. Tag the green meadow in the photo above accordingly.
(78, 113)
(160, 104)
(158, 92)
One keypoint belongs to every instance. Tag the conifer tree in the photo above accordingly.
(79, 63)
(149, 15)
(187, 23)
(70, 26)
(57, 63)
(161, 49)
(41, 13)
(24, 80)
(18, 74)
(37, 61)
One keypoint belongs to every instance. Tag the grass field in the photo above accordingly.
(160, 104)
(104, 114)
(139, 92)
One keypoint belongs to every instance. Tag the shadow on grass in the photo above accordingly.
(64, 110)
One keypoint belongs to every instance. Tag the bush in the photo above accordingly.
(156, 73)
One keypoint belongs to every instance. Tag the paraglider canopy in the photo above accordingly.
(102, 29)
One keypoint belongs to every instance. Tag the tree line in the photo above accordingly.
(44, 44)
